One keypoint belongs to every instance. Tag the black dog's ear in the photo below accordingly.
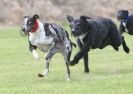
(36, 16)
(69, 18)
(84, 17)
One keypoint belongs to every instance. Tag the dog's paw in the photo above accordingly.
(73, 62)
(86, 70)
(127, 50)
(40, 75)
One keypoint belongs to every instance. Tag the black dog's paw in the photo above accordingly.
(126, 49)
(86, 70)
(73, 62)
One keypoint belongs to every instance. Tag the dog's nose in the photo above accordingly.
(73, 31)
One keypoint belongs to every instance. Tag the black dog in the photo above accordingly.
(126, 21)
(92, 34)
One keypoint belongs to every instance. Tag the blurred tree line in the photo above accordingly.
(13, 11)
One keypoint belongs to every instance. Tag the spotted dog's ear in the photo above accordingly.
(26, 17)
(69, 18)
(36, 16)
(84, 17)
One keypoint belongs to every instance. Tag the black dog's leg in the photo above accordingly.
(85, 58)
(125, 47)
(80, 54)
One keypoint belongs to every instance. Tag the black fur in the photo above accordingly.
(128, 19)
(32, 47)
(99, 33)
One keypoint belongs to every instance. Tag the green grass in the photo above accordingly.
(111, 71)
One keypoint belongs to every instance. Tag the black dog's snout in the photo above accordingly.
(73, 31)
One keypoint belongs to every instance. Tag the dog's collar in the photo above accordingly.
(124, 24)
(81, 37)
(35, 27)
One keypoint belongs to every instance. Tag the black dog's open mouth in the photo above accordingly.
(77, 35)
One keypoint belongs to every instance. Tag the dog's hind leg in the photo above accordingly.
(67, 54)
(68, 71)
(50, 54)
(125, 47)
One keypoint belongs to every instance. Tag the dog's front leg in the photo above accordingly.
(35, 54)
(48, 57)
(80, 54)
(33, 50)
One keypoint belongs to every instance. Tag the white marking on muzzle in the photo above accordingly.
(25, 22)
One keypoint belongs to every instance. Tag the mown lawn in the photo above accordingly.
(111, 72)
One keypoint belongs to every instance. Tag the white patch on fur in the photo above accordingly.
(25, 22)
(51, 29)
(45, 72)
(81, 37)
(68, 79)
(41, 26)
(40, 39)
(35, 54)
(124, 24)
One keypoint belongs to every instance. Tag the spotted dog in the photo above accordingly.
(48, 38)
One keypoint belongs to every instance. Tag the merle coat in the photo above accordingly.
(92, 34)
(49, 38)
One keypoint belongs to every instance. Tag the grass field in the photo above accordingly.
(111, 72)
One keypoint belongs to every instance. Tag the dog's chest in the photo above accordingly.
(40, 40)
(81, 37)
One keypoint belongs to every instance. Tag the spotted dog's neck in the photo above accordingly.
(35, 27)
(39, 36)
(38, 26)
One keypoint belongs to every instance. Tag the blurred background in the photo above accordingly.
(13, 11)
